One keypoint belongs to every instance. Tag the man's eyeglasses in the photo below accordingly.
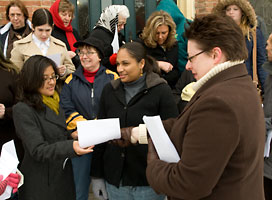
(48, 79)
(88, 53)
(192, 57)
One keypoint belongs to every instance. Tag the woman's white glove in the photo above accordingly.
(99, 188)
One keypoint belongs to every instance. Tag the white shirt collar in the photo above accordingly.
(43, 46)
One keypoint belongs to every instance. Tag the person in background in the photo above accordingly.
(63, 12)
(244, 15)
(40, 124)
(111, 17)
(182, 91)
(80, 99)
(11, 180)
(17, 28)
(139, 91)
(40, 42)
(158, 37)
(221, 132)
(8, 76)
(268, 116)
(180, 20)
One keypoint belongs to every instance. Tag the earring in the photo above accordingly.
(141, 73)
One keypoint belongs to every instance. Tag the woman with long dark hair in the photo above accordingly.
(40, 124)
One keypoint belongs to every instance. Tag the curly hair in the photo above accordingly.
(155, 20)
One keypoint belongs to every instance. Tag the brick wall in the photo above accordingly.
(31, 5)
(203, 7)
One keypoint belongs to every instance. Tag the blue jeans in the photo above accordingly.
(82, 177)
(132, 193)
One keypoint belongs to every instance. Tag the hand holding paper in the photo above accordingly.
(161, 140)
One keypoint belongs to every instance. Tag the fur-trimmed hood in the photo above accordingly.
(245, 6)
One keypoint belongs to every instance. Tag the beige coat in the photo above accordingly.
(25, 48)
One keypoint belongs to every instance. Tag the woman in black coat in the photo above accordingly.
(158, 37)
(139, 91)
(112, 16)
(40, 123)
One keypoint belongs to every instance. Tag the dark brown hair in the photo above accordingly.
(31, 80)
(42, 16)
(137, 51)
(218, 31)
(19, 4)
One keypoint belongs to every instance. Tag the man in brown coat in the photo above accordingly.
(221, 132)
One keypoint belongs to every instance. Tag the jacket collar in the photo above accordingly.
(8, 25)
(152, 79)
(230, 73)
(79, 72)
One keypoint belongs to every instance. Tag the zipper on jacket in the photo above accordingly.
(92, 102)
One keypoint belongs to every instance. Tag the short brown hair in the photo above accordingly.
(19, 4)
(66, 5)
(155, 20)
(218, 31)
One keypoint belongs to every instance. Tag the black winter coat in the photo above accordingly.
(169, 55)
(114, 163)
(47, 173)
(61, 35)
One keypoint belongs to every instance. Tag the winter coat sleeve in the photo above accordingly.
(204, 156)
(71, 114)
(261, 56)
(28, 127)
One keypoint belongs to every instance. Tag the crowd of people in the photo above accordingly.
(51, 78)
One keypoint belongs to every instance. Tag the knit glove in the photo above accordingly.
(3, 185)
(13, 181)
(99, 188)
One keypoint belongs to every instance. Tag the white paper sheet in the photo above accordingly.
(267, 144)
(56, 58)
(115, 41)
(92, 132)
(165, 148)
(8, 164)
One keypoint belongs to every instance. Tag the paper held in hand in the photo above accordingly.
(92, 132)
(163, 145)
(8, 164)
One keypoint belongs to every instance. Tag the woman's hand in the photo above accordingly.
(62, 70)
(2, 110)
(74, 135)
(71, 54)
(80, 151)
(165, 66)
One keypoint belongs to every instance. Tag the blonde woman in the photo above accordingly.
(158, 37)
